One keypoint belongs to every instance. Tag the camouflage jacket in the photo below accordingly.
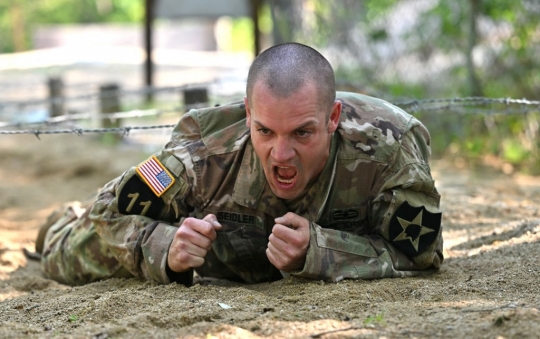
(374, 211)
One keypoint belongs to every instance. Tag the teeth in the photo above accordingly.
(284, 181)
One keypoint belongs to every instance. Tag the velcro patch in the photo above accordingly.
(138, 199)
(414, 229)
(155, 175)
(345, 214)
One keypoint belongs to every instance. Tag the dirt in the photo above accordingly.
(488, 286)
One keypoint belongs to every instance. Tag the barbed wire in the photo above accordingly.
(87, 116)
(101, 95)
(80, 131)
(458, 105)
(470, 110)
(425, 105)
(477, 100)
(42, 83)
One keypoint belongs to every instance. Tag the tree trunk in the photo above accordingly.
(473, 83)
(17, 21)
(255, 9)
(285, 18)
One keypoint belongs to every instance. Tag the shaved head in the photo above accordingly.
(286, 68)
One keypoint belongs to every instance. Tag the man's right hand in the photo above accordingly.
(192, 242)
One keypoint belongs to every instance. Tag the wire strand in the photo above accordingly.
(466, 105)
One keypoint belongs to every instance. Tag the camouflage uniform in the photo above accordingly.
(373, 212)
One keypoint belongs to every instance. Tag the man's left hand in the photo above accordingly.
(288, 243)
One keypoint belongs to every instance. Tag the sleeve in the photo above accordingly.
(405, 236)
(138, 221)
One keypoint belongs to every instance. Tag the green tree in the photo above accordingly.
(19, 17)
(433, 49)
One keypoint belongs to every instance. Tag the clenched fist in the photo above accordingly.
(288, 243)
(191, 243)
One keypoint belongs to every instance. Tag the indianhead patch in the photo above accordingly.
(155, 175)
(414, 229)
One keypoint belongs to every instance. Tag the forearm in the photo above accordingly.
(139, 243)
(334, 255)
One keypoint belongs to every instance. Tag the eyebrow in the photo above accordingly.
(304, 125)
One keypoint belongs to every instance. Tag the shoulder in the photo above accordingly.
(220, 129)
(372, 127)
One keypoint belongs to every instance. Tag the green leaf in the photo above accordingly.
(375, 320)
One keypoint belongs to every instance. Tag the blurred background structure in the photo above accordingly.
(62, 58)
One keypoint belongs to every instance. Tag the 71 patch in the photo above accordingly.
(414, 229)
(136, 198)
(154, 174)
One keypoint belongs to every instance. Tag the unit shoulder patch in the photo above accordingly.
(155, 175)
(414, 229)
(136, 198)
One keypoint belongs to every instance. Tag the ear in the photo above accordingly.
(248, 113)
(333, 121)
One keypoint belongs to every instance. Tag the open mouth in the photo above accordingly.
(285, 175)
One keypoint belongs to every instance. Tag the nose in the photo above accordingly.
(282, 150)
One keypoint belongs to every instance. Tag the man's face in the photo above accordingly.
(290, 136)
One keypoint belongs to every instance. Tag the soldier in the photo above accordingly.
(293, 180)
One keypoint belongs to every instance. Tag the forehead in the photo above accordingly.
(299, 108)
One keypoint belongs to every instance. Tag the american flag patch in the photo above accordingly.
(155, 175)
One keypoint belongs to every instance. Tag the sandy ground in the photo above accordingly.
(488, 286)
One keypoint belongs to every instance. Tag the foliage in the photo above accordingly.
(377, 319)
(242, 31)
(389, 48)
(19, 17)
(421, 49)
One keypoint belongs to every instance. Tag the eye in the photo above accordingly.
(263, 131)
(303, 133)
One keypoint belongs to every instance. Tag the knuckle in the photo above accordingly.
(182, 232)
(209, 228)
(183, 258)
(292, 242)
(189, 221)
(182, 246)
(206, 229)
(289, 252)
(297, 243)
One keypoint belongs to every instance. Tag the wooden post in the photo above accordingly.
(109, 102)
(255, 8)
(473, 83)
(18, 29)
(56, 88)
(195, 97)
(148, 63)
